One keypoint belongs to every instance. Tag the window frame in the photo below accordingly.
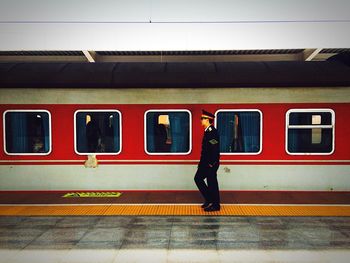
(260, 133)
(97, 110)
(300, 110)
(167, 110)
(27, 154)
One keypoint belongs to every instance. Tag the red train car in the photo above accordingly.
(92, 127)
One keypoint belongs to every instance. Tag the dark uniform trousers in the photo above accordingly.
(208, 166)
(209, 191)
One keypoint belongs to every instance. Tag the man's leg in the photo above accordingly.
(202, 187)
(213, 188)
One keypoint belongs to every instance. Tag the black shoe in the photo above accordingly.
(205, 205)
(212, 208)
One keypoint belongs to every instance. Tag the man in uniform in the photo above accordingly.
(209, 164)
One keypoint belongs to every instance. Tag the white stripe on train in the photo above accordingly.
(175, 177)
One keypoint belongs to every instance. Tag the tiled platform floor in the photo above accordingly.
(174, 239)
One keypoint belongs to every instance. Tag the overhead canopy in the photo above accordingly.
(259, 55)
(184, 75)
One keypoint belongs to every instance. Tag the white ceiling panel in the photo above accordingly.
(250, 10)
(176, 25)
(173, 11)
(65, 11)
(173, 36)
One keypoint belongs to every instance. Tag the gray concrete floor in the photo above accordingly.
(173, 239)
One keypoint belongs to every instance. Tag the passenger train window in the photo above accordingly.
(310, 131)
(27, 132)
(168, 132)
(240, 131)
(97, 132)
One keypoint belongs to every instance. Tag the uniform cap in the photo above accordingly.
(208, 115)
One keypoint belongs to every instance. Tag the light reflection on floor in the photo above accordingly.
(174, 239)
(176, 255)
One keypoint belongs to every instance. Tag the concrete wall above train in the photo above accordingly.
(173, 25)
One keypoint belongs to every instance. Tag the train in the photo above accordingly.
(283, 126)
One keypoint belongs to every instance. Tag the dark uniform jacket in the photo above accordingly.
(210, 154)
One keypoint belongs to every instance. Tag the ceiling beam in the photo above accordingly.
(310, 54)
(90, 55)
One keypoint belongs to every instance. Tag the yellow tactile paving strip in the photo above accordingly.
(174, 209)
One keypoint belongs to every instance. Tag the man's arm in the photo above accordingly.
(213, 150)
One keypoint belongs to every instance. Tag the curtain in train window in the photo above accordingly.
(27, 132)
(310, 132)
(97, 132)
(168, 132)
(239, 131)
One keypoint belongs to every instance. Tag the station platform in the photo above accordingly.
(234, 203)
(146, 226)
(166, 239)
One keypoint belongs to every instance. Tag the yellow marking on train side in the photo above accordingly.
(173, 209)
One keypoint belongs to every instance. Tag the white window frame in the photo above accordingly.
(168, 110)
(261, 128)
(309, 127)
(98, 110)
(27, 110)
